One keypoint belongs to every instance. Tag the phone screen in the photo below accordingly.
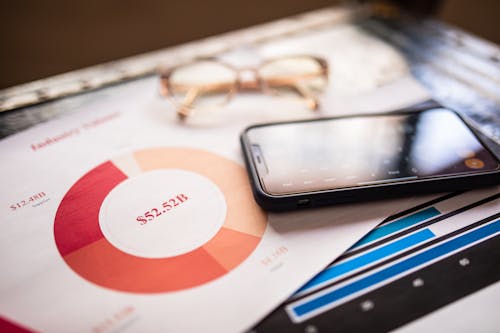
(363, 150)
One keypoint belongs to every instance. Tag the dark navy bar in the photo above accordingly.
(397, 268)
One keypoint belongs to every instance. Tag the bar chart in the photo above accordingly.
(402, 256)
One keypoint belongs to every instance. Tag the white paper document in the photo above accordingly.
(120, 219)
(115, 218)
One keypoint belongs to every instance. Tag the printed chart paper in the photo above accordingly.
(117, 218)
(419, 268)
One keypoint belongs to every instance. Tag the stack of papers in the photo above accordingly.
(118, 218)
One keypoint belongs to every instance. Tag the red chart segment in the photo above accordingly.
(8, 326)
(75, 223)
(86, 250)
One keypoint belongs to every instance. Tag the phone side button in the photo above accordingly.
(302, 203)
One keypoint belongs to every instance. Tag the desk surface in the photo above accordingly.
(459, 70)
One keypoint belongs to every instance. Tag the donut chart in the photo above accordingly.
(226, 244)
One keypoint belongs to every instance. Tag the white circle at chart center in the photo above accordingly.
(187, 225)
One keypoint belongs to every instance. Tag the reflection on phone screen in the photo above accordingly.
(357, 151)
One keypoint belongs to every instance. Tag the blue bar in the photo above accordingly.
(334, 271)
(397, 225)
(397, 268)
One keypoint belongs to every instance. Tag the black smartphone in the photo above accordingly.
(325, 161)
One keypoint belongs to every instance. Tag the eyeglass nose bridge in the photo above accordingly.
(249, 79)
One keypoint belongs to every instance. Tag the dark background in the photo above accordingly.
(44, 38)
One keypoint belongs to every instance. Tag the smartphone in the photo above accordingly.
(326, 161)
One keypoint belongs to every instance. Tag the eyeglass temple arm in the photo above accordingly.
(294, 83)
(226, 86)
(292, 79)
(184, 109)
(203, 88)
(310, 99)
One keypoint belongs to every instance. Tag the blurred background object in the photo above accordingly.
(41, 39)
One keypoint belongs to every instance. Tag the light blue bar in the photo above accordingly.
(397, 225)
(337, 270)
(397, 269)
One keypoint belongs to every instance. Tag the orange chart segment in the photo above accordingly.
(229, 176)
(221, 171)
(85, 248)
(100, 261)
(231, 247)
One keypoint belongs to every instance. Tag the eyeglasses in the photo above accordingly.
(208, 83)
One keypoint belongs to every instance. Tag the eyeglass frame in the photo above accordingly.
(258, 84)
